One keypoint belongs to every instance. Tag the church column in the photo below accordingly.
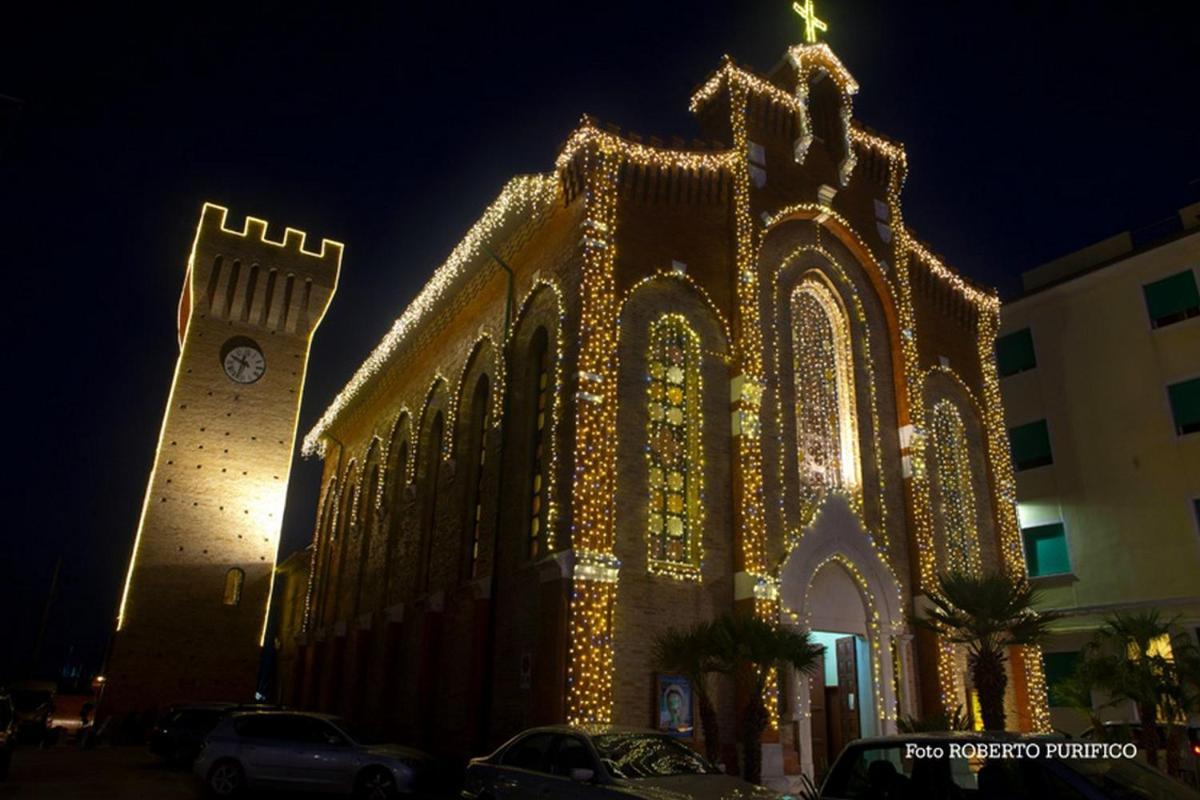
(755, 589)
(590, 671)
(1032, 702)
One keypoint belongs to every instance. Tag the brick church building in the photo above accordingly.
(659, 383)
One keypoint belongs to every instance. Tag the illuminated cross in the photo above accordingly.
(812, 25)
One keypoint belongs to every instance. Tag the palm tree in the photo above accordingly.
(987, 613)
(691, 653)
(750, 647)
(1126, 658)
(1076, 692)
(935, 723)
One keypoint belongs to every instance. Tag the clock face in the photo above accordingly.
(244, 363)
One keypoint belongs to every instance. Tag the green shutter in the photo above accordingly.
(1014, 352)
(1030, 445)
(1172, 299)
(1185, 405)
(1058, 668)
(1046, 550)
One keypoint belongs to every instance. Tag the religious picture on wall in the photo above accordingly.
(674, 693)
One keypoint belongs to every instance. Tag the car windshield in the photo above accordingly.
(1123, 777)
(647, 755)
(357, 733)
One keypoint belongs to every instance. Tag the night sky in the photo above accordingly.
(1032, 129)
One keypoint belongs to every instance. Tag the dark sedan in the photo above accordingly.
(991, 766)
(601, 763)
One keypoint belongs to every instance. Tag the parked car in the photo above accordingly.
(877, 768)
(607, 762)
(1189, 745)
(8, 732)
(299, 751)
(178, 735)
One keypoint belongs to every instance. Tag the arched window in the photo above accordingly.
(396, 479)
(429, 496)
(675, 460)
(476, 452)
(956, 494)
(539, 425)
(234, 579)
(826, 419)
(367, 515)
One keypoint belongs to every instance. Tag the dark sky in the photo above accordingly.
(1032, 129)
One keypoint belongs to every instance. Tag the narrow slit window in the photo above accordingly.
(234, 579)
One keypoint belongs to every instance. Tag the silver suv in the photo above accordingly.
(307, 752)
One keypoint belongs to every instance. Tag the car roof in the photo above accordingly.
(966, 736)
(589, 730)
(243, 714)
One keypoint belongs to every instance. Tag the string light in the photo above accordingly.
(523, 196)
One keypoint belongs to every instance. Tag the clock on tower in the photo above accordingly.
(193, 609)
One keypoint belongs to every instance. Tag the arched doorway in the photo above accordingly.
(836, 584)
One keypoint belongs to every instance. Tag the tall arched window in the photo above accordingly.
(675, 459)
(476, 453)
(234, 579)
(429, 497)
(826, 418)
(539, 425)
(956, 494)
(368, 514)
(396, 480)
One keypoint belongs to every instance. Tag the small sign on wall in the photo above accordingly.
(673, 706)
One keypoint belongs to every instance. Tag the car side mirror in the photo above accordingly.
(582, 774)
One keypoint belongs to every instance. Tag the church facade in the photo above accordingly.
(661, 383)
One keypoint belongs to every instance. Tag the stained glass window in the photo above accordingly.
(674, 448)
(956, 493)
(826, 424)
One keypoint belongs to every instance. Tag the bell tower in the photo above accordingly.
(193, 609)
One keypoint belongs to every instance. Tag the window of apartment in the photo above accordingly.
(1172, 299)
(1058, 667)
(1014, 353)
(1046, 550)
(1185, 405)
(1030, 445)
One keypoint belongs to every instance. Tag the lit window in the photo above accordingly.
(1046, 550)
(956, 492)
(1030, 445)
(539, 421)
(1014, 353)
(233, 586)
(1172, 299)
(826, 423)
(1185, 405)
(674, 448)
